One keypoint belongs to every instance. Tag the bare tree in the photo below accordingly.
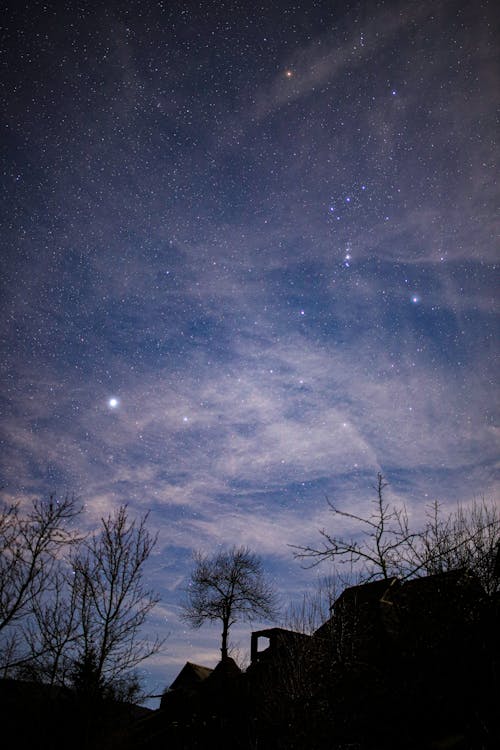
(468, 537)
(228, 586)
(111, 599)
(384, 545)
(53, 633)
(31, 544)
(70, 602)
(375, 550)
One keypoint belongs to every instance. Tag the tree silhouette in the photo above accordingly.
(228, 586)
(383, 545)
(376, 550)
(468, 538)
(31, 544)
(72, 607)
(111, 599)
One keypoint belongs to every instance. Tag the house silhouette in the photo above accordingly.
(426, 647)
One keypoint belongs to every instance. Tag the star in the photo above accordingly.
(113, 402)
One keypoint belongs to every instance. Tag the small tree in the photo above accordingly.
(228, 586)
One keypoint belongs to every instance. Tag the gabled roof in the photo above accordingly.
(190, 676)
(226, 670)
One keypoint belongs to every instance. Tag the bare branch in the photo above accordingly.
(31, 543)
(228, 586)
(111, 597)
(387, 547)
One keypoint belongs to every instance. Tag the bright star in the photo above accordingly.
(113, 402)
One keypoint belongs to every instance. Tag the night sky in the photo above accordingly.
(248, 259)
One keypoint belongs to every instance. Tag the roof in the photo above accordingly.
(436, 580)
(363, 594)
(226, 669)
(368, 591)
(270, 632)
(190, 675)
(441, 588)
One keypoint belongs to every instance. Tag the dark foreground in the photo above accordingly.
(413, 667)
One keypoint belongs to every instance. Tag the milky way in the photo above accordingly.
(248, 260)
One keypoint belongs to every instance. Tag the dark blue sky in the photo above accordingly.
(270, 233)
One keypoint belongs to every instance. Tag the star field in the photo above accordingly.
(249, 258)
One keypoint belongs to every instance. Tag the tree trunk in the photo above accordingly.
(225, 630)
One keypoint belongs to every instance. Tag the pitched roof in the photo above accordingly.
(226, 669)
(190, 675)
